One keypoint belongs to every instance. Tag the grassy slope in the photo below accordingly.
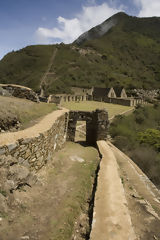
(25, 110)
(75, 202)
(27, 66)
(132, 50)
(127, 55)
(112, 109)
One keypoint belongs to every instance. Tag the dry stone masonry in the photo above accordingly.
(35, 152)
(96, 125)
(18, 91)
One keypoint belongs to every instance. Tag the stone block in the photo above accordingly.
(12, 147)
(2, 151)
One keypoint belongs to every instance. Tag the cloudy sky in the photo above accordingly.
(26, 22)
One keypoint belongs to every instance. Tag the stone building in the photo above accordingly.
(116, 95)
(102, 93)
(120, 92)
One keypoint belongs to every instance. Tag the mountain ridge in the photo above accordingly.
(122, 51)
(100, 29)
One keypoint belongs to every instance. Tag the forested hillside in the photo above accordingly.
(139, 136)
(126, 54)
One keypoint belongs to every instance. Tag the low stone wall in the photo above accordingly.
(19, 91)
(124, 102)
(121, 101)
(34, 152)
(58, 99)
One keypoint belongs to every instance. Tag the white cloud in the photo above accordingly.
(148, 8)
(70, 29)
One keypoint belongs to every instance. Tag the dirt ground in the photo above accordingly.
(56, 207)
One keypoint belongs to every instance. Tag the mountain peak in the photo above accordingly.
(102, 28)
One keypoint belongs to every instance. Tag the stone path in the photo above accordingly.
(127, 204)
(34, 131)
(142, 196)
(111, 220)
(139, 180)
(43, 81)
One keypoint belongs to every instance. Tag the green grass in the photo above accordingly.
(75, 200)
(113, 109)
(26, 111)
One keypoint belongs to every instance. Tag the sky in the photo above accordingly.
(28, 22)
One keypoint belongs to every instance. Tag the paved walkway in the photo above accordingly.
(44, 125)
(111, 219)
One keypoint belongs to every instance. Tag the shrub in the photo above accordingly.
(122, 143)
(149, 161)
(139, 135)
(151, 137)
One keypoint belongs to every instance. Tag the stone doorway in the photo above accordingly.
(96, 125)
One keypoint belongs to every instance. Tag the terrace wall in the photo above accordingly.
(34, 152)
(20, 92)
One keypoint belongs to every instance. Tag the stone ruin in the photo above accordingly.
(96, 125)
(18, 91)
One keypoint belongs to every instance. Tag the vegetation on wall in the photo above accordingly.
(139, 136)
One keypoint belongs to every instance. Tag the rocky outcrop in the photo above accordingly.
(4, 92)
(18, 91)
(13, 176)
(9, 124)
(145, 94)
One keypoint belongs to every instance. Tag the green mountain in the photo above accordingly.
(122, 51)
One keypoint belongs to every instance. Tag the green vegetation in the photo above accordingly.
(112, 109)
(127, 55)
(26, 66)
(25, 111)
(75, 201)
(150, 137)
(139, 136)
(3, 193)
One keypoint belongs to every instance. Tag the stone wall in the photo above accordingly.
(35, 152)
(58, 99)
(19, 91)
(125, 102)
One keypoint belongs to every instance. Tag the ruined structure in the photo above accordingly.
(60, 98)
(34, 151)
(120, 92)
(96, 125)
(116, 95)
(18, 91)
(102, 93)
